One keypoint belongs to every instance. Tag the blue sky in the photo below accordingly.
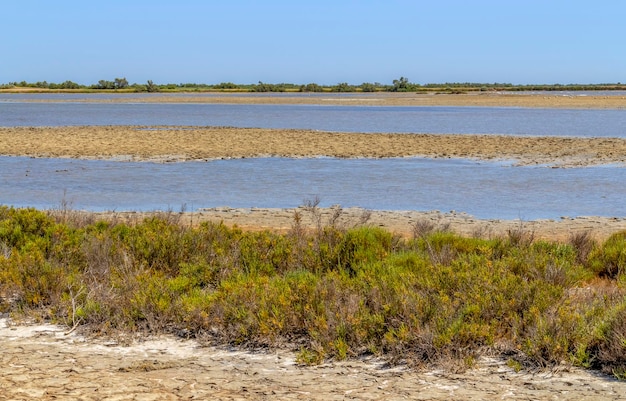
(322, 41)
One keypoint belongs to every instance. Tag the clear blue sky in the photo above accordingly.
(322, 41)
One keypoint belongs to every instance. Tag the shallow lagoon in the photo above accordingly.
(426, 119)
(485, 190)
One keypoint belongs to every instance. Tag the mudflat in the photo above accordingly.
(404, 223)
(473, 99)
(202, 143)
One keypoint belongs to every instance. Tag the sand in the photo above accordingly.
(41, 362)
(401, 223)
(473, 99)
(205, 143)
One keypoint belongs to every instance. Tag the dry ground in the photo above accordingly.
(41, 362)
(412, 99)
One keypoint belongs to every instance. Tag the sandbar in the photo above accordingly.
(567, 100)
(205, 143)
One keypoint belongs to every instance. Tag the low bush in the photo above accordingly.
(335, 291)
(609, 260)
(607, 351)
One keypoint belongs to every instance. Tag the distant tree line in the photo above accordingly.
(401, 84)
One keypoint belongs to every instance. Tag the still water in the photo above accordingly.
(485, 190)
(428, 119)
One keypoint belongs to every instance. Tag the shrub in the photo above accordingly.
(368, 87)
(330, 292)
(584, 244)
(608, 350)
(312, 87)
(609, 260)
(343, 87)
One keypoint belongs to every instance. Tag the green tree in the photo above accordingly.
(265, 87)
(400, 85)
(312, 87)
(226, 85)
(104, 84)
(151, 87)
(65, 85)
(343, 87)
(261, 87)
(368, 87)
(120, 83)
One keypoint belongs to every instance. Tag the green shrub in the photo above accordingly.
(36, 282)
(609, 260)
(361, 246)
(607, 351)
(330, 293)
(21, 226)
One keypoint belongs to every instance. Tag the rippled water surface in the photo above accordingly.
(485, 189)
(429, 119)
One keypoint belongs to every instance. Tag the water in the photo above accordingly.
(460, 120)
(485, 190)
(51, 96)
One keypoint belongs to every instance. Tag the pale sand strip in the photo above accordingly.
(475, 99)
(413, 99)
(202, 143)
(41, 362)
(401, 223)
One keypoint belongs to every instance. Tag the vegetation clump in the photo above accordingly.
(398, 85)
(334, 291)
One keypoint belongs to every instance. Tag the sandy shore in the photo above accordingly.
(474, 99)
(167, 368)
(401, 223)
(413, 99)
(202, 143)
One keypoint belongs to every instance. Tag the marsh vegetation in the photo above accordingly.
(336, 291)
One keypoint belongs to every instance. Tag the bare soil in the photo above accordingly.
(42, 362)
